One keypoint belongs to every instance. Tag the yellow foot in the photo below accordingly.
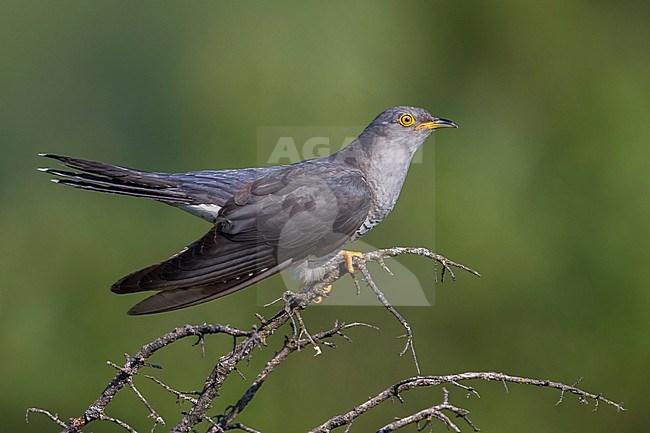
(347, 256)
(326, 291)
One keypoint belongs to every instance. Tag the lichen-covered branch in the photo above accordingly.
(396, 390)
(247, 340)
(290, 346)
(133, 364)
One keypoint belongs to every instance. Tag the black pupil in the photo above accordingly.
(407, 119)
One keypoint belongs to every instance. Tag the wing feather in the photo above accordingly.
(268, 225)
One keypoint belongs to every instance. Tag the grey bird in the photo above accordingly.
(267, 219)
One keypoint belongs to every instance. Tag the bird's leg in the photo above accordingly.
(347, 256)
(349, 265)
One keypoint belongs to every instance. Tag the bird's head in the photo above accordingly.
(405, 126)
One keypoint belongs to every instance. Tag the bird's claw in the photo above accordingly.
(348, 255)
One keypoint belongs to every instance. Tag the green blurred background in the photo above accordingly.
(544, 189)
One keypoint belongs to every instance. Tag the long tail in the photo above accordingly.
(98, 176)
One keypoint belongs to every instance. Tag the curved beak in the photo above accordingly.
(436, 123)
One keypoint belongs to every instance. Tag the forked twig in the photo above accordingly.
(179, 394)
(54, 417)
(291, 345)
(244, 342)
(436, 411)
(409, 333)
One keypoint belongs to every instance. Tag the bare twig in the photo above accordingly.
(121, 423)
(561, 399)
(179, 394)
(152, 413)
(429, 381)
(409, 333)
(243, 348)
(303, 330)
(96, 410)
(447, 265)
(227, 363)
(427, 414)
(430, 413)
(240, 426)
(54, 417)
(290, 346)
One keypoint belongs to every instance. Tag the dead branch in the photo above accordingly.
(397, 389)
(133, 364)
(291, 345)
(201, 401)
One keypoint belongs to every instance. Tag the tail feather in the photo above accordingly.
(200, 193)
(115, 172)
(123, 191)
(102, 184)
(99, 176)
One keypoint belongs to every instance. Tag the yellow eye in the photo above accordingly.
(406, 120)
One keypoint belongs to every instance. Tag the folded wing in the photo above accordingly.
(268, 225)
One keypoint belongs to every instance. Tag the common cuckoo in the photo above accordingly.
(267, 219)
